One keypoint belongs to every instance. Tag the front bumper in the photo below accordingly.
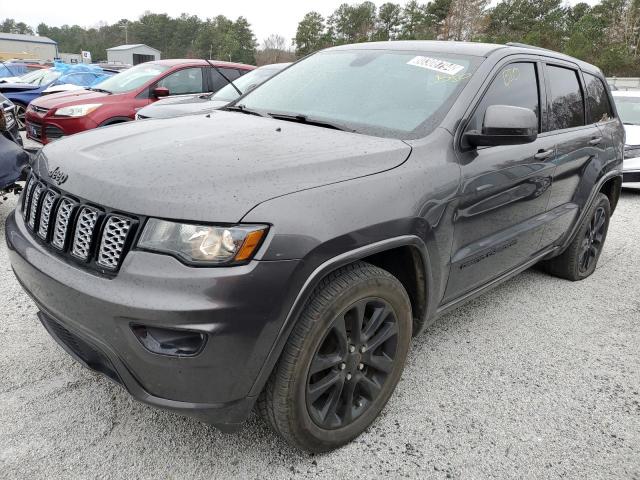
(45, 129)
(239, 309)
(631, 172)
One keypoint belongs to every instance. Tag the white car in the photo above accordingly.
(628, 105)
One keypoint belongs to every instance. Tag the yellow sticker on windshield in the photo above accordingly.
(435, 64)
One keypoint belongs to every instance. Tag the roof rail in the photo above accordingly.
(526, 45)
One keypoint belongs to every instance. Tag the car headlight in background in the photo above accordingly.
(631, 151)
(77, 110)
(202, 244)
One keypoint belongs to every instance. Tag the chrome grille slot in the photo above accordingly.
(113, 241)
(45, 213)
(65, 211)
(83, 236)
(27, 196)
(33, 206)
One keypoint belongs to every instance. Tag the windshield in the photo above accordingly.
(398, 94)
(131, 79)
(245, 83)
(40, 77)
(628, 109)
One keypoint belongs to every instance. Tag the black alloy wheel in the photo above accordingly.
(352, 363)
(593, 240)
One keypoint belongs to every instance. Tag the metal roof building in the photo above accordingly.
(15, 45)
(132, 54)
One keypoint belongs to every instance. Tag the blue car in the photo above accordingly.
(31, 85)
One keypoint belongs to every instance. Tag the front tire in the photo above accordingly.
(580, 259)
(342, 361)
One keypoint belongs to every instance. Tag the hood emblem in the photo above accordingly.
(58, 176)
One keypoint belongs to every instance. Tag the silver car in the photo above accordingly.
(628, 105)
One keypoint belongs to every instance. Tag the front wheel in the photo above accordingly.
(580, 259)
(21, 115)
(342, 361)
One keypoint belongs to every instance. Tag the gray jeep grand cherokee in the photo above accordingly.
(284, 251)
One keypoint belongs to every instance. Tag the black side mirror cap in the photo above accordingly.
(505, 125)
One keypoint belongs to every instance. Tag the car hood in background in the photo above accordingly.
(17, 87)
(633, 135)
(176, 107)
(212, 169)
(75, 97)
(66, 87)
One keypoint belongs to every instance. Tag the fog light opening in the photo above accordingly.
(165, 341)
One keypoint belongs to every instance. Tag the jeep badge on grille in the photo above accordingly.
(58, 176)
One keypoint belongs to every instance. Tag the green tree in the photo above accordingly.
(9, 25)
(311, 34)
(389, 21)
(353, 23)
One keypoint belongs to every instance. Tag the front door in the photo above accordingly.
(505, 190)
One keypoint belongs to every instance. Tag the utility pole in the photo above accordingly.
(125, 27)
(210, 50)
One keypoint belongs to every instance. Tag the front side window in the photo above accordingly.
(598, 100)
(387, 93)
(515, 85)
(187, 80)
(567, 104)
(132, 78)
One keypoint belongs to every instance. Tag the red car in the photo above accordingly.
(117, 99)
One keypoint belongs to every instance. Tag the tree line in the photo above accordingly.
(606, 34)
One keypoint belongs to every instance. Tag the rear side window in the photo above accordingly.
(218, 81)
(597, 99)
(567, 104)
(516, 85)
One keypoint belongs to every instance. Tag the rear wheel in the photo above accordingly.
(580, 259)
(342, 361)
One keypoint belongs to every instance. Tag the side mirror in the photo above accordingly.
(160, 92)
(505, 125)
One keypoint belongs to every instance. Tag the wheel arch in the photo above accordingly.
(612, 188)
(392, 255)
(114, 121)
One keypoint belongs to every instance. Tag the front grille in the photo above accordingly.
(52, 132)
(38, 109)
(92, 235)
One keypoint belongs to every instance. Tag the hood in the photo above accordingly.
(182, 106)
(17, 87)
(212, 169)
(633, 135)
(65, 87)
(64, 99)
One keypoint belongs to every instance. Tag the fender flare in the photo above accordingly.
(114, 120)
(325, 269)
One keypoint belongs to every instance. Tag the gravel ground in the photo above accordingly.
(539, 378)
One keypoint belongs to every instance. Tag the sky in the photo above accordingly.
(265, 17)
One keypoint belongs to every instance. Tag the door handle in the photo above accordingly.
(595, 141)
(544, 154)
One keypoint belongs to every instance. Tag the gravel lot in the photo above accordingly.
(539, 378)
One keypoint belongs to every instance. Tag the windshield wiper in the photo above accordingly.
(224, 76)
(300, 118)
(100, 90)
(242, 109)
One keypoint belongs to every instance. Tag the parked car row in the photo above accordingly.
(628, 103)
(281, 251)
(13, 158)
(117, 99)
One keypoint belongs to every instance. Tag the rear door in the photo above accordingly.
(505, 189)
(580, 143)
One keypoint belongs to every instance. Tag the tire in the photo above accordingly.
(573, 264)
(322, 410)
(21, 111)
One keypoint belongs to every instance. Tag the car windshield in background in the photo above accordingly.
(629, 109)
(40, 77)
(398, 94)
(132, 78)
(245, 83)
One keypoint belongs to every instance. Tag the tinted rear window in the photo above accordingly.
(597, 99)
(567, 105)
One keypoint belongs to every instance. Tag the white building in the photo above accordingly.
(27, 47)
(132, 54)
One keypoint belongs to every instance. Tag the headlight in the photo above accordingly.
(77, 110)
(631, 151)
(202, 244)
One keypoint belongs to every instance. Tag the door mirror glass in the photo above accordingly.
(505, 125)
(160, 92)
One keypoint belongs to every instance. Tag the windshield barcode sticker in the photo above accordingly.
(436, 65)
